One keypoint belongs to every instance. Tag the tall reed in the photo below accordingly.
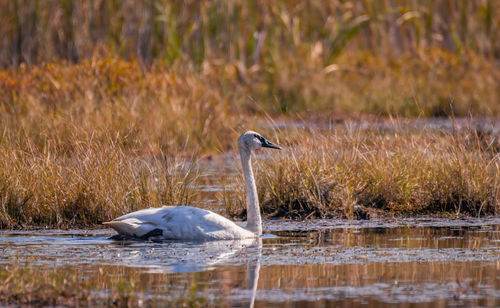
(251, 33)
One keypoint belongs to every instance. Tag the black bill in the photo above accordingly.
(268, 144)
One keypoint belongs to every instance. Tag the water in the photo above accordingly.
(413, 262)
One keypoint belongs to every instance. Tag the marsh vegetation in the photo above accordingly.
(363, 173)
(383, 108)
(107, 107)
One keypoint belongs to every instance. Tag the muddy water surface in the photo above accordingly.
(425, 262)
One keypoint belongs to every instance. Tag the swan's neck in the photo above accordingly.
(254, 222)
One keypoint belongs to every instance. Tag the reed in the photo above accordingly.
(254, 32)
(384, 57)
(407, 58)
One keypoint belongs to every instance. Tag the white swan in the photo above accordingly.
(191, 223)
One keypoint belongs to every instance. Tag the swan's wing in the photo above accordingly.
(191, 223)
(179, 222)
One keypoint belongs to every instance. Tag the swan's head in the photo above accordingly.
(252, 141)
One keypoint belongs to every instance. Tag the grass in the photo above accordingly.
(160, 110)
(363, 173)
(83, 143)
(92, 185)
(101, 105)
(106, 106)
(407, 58)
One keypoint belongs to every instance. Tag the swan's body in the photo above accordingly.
(179, 222)
(191, 223)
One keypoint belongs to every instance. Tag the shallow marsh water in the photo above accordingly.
(412, 262)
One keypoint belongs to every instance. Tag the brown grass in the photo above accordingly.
(82, 143)
(98, 102)
(409, 58)
(94, 184)
(356, 173)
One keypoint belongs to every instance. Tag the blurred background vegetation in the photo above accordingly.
(409, 58)
(249, 32)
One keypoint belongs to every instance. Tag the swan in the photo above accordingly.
(191, 223)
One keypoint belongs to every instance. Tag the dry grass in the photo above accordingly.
(95, 95)
(409, 58)
(94, 184)
(150, 111)
(357, 173)
(431, 82)
(82, 143)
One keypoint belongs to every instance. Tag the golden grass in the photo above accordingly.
(214, 59)
(409, 58)
(91, 186)
(83, 143)
(152, 111)
(356, 173)
(430, 82)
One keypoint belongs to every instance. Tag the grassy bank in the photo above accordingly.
(368, 173)
(43, 189)
(351, 173)
(82, 143)
(115, 95)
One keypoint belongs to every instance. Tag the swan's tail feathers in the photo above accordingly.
(134, 228)
(122, 227)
